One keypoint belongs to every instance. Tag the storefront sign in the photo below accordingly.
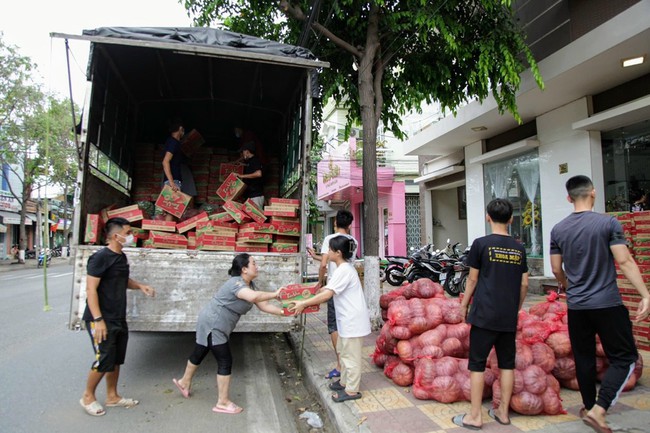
(8, 202)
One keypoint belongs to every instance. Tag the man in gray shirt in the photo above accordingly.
(588, 244)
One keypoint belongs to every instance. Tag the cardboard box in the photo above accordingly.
(282, 239)
(158, 225)
(253, 237)
(140, 233)
(279, 219)
(104, 213)
(298, 292)
(191, 241)
(208, 247)
(226, 168)
(173, 202)
(191, 143)
(285, 201)
(130, 213)
(311, 309)
(221, 216)
(253, 211)
(190, 223)
(280, 212)
(245, 247)
(283, 248)
(257, 228)
(168, 240)
(236, 210)
(94, 227)
(287, 229)
(231, 188)
(216, 239)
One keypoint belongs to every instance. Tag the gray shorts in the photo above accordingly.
(331, 317)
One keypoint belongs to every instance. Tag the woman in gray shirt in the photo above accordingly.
(218, 319)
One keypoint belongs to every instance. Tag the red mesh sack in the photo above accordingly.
(526, 403)
(565, 368)
(560, 343)
(402, 374)
(543, 356)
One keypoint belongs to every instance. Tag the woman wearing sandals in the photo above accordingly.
(352, 318)
(216, 322)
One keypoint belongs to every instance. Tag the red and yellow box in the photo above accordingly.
(173, 202)
(192, 141)
(225, 169)
(285, 201)
(281, 239)
(298, 292)
(191, 241)
(287, 229)
(168, 240)
(140, 233)
(236, 210)
(104, 212)
(253, 211)
(216, 239)
(283, 248)
(245, 247)
(231, 188)
(221, 216)
(254, 237)
(158, 225)
(274, 211)
(257, 228)
(94, 227)
(130, 213)
(191, 223)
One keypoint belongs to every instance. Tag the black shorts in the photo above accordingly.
(112, 351)
(481, 342)
(331, 317)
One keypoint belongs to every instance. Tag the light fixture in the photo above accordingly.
(632, 61)
(479, 128)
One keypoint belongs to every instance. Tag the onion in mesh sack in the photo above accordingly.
(445, 389)
(401, 332)
(543, 356)
(399, 313)
(425, 288)
(405, 350)
(402, 375)
(524, 356)
(534, 379)
(446, 366)
(390, 364)
(565, 368)
(526, 403)
(452, 347)
(560, 343)
(552, 402)
(378, 358)
(451, 311)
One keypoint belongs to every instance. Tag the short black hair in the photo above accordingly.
(344, 244)
(115, 224)
(175, 125)
(240, 262)
(500, 210)
(343, 219)
(579, 187)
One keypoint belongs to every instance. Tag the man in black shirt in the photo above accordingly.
(252, 176)
(105, 315)
(498, 282)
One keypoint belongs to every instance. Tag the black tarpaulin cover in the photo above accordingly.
(204, 36)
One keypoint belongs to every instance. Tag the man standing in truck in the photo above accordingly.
(177, 174)
(252, 175)
(105, 315)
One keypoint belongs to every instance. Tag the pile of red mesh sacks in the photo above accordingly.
(425, 343)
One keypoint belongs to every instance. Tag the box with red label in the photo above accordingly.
(641, 229)
(310, 309)
(274, 211)
(104, 212)
(287, 229)
(159, 226)
(168, 240)
(264, 238)
(283, 248)
(257, 228)
(642, 260)
(236, 210)
(285, 201)
(281, 239)
(643, 217)
(280, 220)
(253, 211)
(231, 188)
(298, 292)
(212, 247)
(192, 141)
(191, 241)
(226, 168)
(190, 223)
(130, 213)
(245, 247)
(221, 216)
(641, 241)
(216, 239)
(94, 227)
(173, 202)
(139, 233)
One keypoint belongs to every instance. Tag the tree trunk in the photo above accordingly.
(367, 99)
(22, 245)
(66, 229)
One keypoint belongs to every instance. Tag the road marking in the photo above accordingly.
(34, 276)
(61, 275)
(12, 278)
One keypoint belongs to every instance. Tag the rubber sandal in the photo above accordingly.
(336, 386)
(459, 420)
(93, 409)
(594, 425)
(492, 414)
(341, 396)
(127, 403)
(332, 374)
(185, 392)
(231, 409)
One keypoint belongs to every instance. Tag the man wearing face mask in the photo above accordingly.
(105, 315)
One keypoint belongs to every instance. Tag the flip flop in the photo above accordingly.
(231, 409)
(185, 392)
(582, 412)
(341, 396)
(126, 403)
(336, 386)
(492, 414)
(594, 425)
(332, 374)
(459, 421)
(93, 409)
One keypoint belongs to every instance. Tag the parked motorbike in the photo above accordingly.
(395, 270)
(457, 283)
(42, 257)
(424, 264)
(30, 254)
(56, 252)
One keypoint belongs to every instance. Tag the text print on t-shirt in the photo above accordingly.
(504, 255)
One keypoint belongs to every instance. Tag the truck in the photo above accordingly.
(214, 80)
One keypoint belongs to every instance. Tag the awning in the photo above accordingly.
(3, 228)
(13, 218)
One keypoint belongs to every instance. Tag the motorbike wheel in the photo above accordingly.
(417, 276)
(462, 284)
(392, 278)
(382, 275)
(451, 288)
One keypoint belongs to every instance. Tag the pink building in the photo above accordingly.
(340, 178)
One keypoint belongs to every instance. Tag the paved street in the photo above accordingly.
(43, 369)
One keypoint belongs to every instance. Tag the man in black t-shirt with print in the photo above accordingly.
(252, 175)
(105, 315)
(498, 283)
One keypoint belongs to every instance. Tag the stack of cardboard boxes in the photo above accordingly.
(636, 228)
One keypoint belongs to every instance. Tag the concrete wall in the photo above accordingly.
(444, 204)
(474, 191)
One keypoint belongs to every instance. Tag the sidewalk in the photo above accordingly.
(388, 408)
(11, 265)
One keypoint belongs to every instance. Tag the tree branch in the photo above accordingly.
(294, 11)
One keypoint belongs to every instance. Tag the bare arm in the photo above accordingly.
(92, 299)
(267, 307)
(322, 270)
(146, 289)
(472, 280)
(558, 271)
(631, 271)
(253, 175)
(255, 296)
(524, 289)
(167, 168)
(323, 295)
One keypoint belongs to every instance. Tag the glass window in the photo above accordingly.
(517, 179)
(626, 157)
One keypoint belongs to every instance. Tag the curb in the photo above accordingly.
(11, 266)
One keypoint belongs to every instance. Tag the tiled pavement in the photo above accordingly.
(388, 408)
